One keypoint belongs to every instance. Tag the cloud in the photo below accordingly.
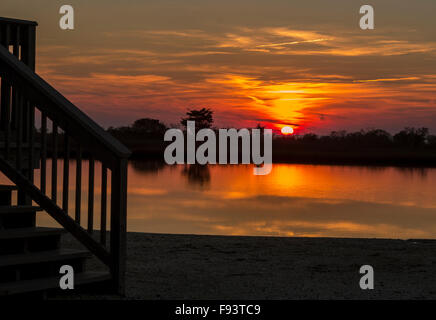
(389, 79)
(286, 75)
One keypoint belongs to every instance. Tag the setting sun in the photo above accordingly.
(287, 130)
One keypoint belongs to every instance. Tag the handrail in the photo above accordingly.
(18, 21)
(23, 94)
(44, 91)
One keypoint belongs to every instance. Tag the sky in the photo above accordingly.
(304, 64)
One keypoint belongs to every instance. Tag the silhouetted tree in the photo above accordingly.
(431, 141)
(309, 137)
(148, 125)
(338, 135)
(354, 138)
(411, 137)
(203, 118)
(377, 138)
(260, 127)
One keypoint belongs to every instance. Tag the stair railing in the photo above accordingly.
(37, 124)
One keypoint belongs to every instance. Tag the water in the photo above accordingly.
(293, 200)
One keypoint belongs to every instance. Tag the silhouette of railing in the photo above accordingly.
(37, 123)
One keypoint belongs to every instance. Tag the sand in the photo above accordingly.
(162, 266)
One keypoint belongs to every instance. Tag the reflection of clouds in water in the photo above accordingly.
(288, 216)
(147, 191)
(301, 200)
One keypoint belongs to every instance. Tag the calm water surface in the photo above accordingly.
(293, 200)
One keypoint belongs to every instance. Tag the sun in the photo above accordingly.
(287, 130)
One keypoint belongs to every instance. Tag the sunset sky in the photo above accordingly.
(279, 62)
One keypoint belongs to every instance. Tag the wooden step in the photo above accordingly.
(5, 187)
(30, 233)
(43, 256)
(35, 239)
(24, 145)
(4, 210)
(22, 216)
(6, 194)
(43, 284)
(43, 264)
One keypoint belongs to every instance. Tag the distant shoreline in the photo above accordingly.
(411, 147)
(300, 152)
(398, 162)
(366, 158)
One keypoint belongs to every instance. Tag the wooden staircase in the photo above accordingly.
(31, 257)
(39, 125)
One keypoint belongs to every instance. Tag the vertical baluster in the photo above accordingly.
(22, 198)
(25, 111)
(5, 103)
(66, 172)
(20, 103)
(7, 107)
(28, 57)
(16, 44)
(103, 204)
(6, 35)
(54, 162)
(31, 140)
(91, 195)
(14, 93)
(43, 152)
(12, 97)
(78, 183)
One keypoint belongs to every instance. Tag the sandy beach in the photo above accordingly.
(163, 266)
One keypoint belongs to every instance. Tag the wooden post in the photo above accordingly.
(119, 225)
(28, 52)
(5, 86)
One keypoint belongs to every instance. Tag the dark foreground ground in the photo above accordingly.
(164, 266)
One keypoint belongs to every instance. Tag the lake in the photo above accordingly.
(293, 200)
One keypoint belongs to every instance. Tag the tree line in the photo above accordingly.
(409, 137)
